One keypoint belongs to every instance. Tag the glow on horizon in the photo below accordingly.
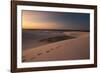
(40, 26)
(55, 20)
(34, 20)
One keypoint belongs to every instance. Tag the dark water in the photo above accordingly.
(36, 38)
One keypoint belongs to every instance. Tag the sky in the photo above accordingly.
(55, 20)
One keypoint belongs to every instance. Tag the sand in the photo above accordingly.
(72, 49)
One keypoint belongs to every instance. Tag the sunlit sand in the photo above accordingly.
(74, 47)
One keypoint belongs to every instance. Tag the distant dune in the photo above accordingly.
(67, 49)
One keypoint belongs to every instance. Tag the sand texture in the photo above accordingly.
(70, 49)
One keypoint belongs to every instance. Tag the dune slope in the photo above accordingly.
(73, 49)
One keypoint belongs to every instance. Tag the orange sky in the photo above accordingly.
(34, 20)
(54, 20)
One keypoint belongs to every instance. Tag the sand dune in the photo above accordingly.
(72, 49)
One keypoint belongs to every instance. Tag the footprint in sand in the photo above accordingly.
(51, 49)
(39, 54)
(47, 51)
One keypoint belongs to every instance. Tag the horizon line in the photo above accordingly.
(57, 30)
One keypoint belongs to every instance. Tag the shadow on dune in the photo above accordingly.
(35, 38)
